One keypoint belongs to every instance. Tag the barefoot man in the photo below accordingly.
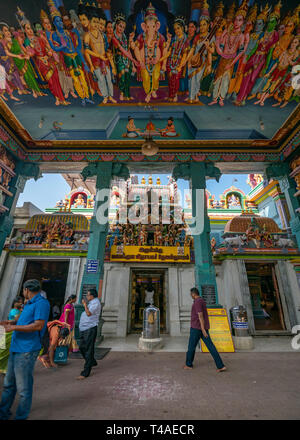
(200, 329)
(95, 52)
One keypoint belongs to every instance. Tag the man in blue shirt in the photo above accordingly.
(24, 350)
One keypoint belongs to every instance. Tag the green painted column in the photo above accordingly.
(23, 172)
(281, 171)
(205, 276)
(94, 268)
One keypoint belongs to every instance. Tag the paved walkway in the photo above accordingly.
(153, 386)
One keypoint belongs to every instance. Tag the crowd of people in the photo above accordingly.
(29, 335)
(239, 53)
(27, 331)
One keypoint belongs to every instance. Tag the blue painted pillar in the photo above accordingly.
(94, 268)
(205, 276)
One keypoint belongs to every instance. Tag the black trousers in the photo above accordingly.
(87, 349)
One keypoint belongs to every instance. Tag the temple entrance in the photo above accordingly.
(53, 278)
(143, 282)
(265, 297)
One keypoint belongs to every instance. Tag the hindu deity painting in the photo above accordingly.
(114, 54)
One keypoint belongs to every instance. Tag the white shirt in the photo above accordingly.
(86, 322)
(149, 296)
(44, 294)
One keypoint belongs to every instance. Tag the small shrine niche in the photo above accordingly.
(233, 198)
(79, 198)
(233, 201)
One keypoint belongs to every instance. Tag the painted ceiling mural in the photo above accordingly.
(117, 70)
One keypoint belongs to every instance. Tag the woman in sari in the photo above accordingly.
(68, 317)
(13, 316)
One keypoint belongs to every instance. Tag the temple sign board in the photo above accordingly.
(220, 332)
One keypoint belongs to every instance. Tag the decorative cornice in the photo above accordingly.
(19, 142)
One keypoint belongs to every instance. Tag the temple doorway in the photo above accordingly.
(143, 281)
(53, 278)
(265, 297)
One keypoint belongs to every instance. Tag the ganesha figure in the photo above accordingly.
(151, 51)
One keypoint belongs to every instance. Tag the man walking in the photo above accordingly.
(88, 326)
(24, 350)
(200, 329)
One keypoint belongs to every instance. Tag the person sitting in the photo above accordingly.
(169, 130)
(132, 130)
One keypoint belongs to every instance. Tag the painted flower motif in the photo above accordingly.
(92, 157)
(48, 157)
(107, 157)
(122, 157)
(77, 157)
(183, 157)
(214, 157)
(167, 157)
(229, 157)
(153, 158)
(258, 157)
(34, 157)
(199, 157)
(137, 157)
(62, 157)
(243, 157)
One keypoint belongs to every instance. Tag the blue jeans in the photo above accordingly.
(19, 377)
(195, 336)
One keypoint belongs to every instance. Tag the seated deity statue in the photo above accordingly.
(233, 202)
(79, 202)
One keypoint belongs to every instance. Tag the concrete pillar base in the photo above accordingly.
(243, 342)
(150, 344)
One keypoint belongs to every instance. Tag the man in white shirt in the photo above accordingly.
(88, 326)
(43, 293)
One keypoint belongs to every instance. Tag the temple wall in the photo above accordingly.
(233, 290)
(116, 297)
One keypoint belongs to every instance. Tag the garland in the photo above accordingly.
(150, 67)
(124, 44)
(174, 61)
